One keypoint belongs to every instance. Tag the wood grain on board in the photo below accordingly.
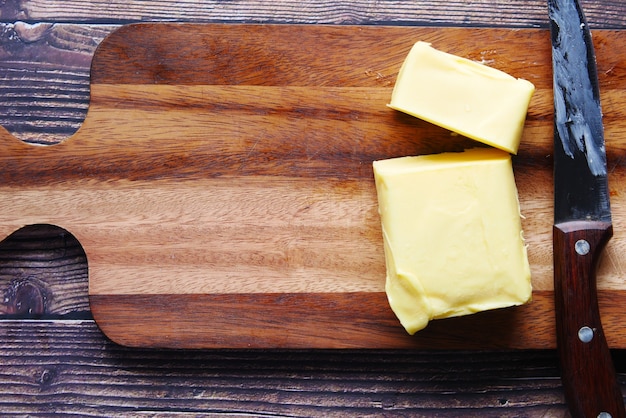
(221, 184)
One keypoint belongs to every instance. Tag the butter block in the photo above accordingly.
(466, 97)
(452, 235)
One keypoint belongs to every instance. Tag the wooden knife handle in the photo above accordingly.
(587, 369)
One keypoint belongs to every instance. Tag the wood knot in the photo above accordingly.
(25, 299)
(30, 33)
(47, 377)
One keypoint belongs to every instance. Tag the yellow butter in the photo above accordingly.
(461, 95)
(452, 235)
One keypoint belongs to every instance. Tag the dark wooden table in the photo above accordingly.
(53, 358)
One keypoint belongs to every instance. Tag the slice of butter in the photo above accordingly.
(463, 96)
(452, 235)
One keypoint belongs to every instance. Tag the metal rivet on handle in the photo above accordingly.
(604, 415)
(585, 334)
(582, 247)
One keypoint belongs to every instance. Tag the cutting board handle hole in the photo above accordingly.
(50, 93)
(24, 129)
(41, 288)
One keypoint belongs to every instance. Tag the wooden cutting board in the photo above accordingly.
(221, 185)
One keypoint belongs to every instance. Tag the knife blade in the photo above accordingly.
(582, 217)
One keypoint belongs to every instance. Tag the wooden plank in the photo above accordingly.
(68, 367)
(527, 13)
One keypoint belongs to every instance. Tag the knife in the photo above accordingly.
(582, 217)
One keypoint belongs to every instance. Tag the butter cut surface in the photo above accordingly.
(452, 235)
(466, 97)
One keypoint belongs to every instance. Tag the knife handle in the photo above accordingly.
(587, 370)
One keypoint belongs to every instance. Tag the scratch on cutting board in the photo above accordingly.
(250, 151)
(487, 61)
(310, 157)
(614, 261)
